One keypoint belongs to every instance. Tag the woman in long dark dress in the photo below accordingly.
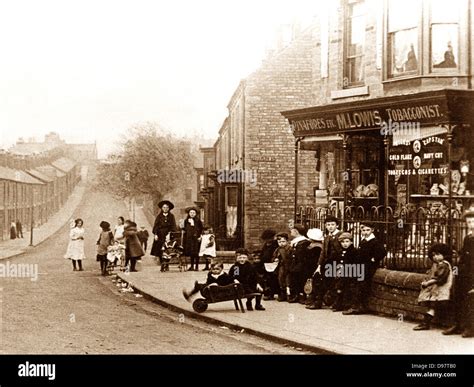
(164, 224)
(192, 237)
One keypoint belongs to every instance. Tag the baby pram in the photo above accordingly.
(115, 256)
(172, 253)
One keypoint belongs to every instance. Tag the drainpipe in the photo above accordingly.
(242, 185)
(469, 44)
(297, 148)
(345, 177)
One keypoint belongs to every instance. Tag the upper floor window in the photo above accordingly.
(402, 40)
(444, 28)
(355, 20)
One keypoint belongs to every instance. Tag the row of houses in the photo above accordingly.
(35, 181)
(314, 130)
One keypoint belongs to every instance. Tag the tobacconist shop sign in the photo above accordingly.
(421, 157)
(335, 120)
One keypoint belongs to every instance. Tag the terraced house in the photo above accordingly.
(366, 114)
(36, 179)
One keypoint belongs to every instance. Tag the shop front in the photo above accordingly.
(402, 162)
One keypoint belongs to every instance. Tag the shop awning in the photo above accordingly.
(403, 136)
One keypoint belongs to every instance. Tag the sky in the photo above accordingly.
(91, 69)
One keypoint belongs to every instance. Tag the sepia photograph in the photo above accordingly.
(252, 177)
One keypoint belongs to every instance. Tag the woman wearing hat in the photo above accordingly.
(164, 224)
(192, 236)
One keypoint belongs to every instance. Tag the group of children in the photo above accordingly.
(173, 249)
(316, 268)
(123, 247)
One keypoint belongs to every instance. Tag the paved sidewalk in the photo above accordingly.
(320, 330)
(12, 247)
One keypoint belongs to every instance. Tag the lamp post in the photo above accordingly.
(32, 214)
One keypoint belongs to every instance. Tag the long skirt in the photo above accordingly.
(75, 250)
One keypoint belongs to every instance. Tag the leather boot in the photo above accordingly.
(425, 324)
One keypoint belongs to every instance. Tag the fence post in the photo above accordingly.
(345, 178)
(386, 143)
(450, 182)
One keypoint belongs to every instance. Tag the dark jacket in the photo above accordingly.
(371, 252)
(245, 274)
(163, 225)
(268, 249)
(331, 248)
(283, 256)
(223, 280)
(466, 266)
(133, 248)
(299, 256)
(312, 259)
(348, 256)
(143, 235)
(191, 234)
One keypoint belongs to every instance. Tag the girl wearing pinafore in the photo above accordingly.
(436, 290)
(75, 249)
(119, 239)
(208, 246)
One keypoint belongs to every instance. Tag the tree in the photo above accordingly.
(150, 162)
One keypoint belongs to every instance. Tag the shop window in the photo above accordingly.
(402, 39)
(364, 159)
(444, 27)
(355, 22)
(419, 169)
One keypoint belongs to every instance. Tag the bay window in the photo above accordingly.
(402, 39)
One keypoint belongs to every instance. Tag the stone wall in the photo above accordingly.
(395, 293)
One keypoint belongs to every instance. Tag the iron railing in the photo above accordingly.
(407, 232)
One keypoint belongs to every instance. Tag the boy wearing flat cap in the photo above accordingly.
(342, 281)
(331, 250)
(370, 253)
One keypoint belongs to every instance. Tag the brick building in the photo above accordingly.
(36, 179)
(390, 126)
(249, 172)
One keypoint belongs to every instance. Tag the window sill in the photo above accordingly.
(420, 77)
(350, 92)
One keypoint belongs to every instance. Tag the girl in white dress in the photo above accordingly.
(75, 249)
(208, 246)
(119, 239)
